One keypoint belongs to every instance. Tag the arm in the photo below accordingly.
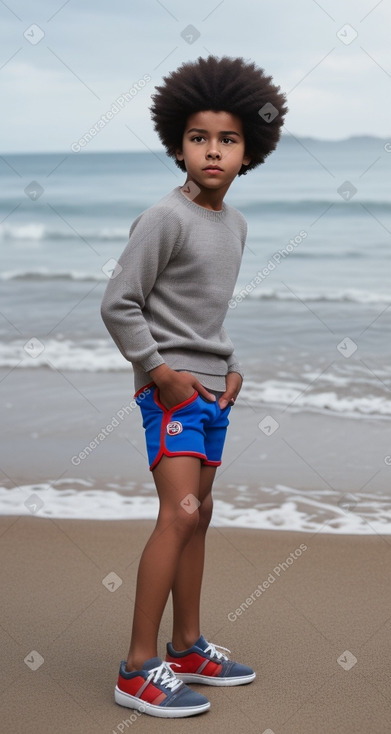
(234, 365)
(233, 381)
(233, 385)
(154, 237)
(234, 377)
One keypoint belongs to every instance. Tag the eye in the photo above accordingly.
(227, 140)
(197, 138)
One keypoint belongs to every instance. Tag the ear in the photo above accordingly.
(179, 155)
(246, 160)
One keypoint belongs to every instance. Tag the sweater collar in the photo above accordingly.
(200, 210)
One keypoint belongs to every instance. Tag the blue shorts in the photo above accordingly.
(196, 427)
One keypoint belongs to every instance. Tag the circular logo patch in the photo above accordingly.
(174, 428)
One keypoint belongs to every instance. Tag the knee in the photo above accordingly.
(183, 520)
(187, 521)
(205, 512)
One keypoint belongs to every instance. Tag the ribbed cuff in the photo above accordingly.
(236, 368)
(154, 360)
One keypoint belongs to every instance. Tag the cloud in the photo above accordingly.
(55, 91)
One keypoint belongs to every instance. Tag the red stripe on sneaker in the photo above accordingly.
(212, 669)
(159, 699)
(151, 693)
(191, 663)
(130, 686)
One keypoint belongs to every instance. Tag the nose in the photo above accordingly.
(213, 152)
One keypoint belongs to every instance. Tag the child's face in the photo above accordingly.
(213, 139)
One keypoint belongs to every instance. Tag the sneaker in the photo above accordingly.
(202, 663)
(156, 690)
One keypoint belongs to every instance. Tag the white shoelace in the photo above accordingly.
(164, 675)
(215, 653)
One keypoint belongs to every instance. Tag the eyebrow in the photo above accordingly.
(222, 132)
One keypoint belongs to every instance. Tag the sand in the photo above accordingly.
(311, 613)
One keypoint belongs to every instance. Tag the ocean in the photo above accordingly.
(310, 316)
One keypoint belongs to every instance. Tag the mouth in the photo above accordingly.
(213, 169)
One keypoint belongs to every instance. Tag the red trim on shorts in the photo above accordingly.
(165, 452)
(166, 419)
(211, 463)
(142, 389)
(191, 399)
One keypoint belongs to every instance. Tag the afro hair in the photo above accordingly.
(227, 84)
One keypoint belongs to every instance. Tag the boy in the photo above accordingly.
(165, 311)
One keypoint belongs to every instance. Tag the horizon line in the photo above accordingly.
(284, 136)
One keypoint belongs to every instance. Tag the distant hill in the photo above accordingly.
(353, 139)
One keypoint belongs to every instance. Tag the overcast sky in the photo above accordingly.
(332, 58)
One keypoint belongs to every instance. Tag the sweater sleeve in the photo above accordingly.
(155, 237)
(234, 365)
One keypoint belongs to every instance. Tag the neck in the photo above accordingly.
(209, 199)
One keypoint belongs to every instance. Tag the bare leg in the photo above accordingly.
(175, 477)
(186, 590)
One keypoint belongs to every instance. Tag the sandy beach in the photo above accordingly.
(309, 612)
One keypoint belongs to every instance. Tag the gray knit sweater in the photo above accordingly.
(169, 301)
